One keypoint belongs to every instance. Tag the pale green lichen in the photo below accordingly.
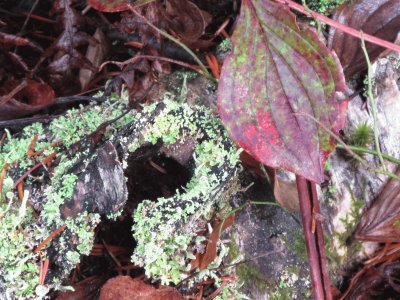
(57, 193)
(20, 232)
(165, 229)
(19, 268)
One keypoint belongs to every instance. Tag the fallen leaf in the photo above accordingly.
(381, 222)
(202, 260)
(33, 97)
(285, 191)
(276, 80)
(128, 288)
(109, 5)
(380, 18)
(187, 21)
(95, 54)
(85, 289)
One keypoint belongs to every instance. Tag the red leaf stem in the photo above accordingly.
(314, 242)
(344, 28)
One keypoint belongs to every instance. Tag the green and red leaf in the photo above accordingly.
(278, 79)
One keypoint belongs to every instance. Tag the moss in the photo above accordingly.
(338, 250)
(298, 245)
(362, 135)
(283, 292)
(163, 242)
(247, 273)
(244, 271)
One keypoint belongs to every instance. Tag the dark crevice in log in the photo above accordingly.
(152, 175)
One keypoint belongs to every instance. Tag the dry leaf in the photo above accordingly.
(95, 54)
(380, 223)
(380, 18)
(128, 288)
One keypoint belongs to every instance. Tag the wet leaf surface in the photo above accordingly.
(380, 18)
(275, 79)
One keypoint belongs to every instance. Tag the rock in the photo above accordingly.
(353, 186)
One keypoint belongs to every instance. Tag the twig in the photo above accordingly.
(371, 98)
(167, 48)
(49, 238)
(2, 176)
(43, 162)
(150, 57)
(18, 123)
(358, 149)
(337, 25)
(29, 16)
(4, 99)
(170, 37)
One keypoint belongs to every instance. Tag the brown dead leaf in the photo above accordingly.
(128, 288)
(188, 22)
(95, 54)
(285, 192)
(23, 97)
(202, 260)
(380, 223)
(380, 18)
(85, 289)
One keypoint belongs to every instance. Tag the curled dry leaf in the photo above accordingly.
(381, 222)
(187, 21)
(127, 288)
(380, 18)
(31, 97)
(276, 83)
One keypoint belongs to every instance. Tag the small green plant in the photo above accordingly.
(324, 7)
(362, 135)
(224, 46)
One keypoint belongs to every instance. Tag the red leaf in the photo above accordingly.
(380, 18)
(275, 79)
(109, 5)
